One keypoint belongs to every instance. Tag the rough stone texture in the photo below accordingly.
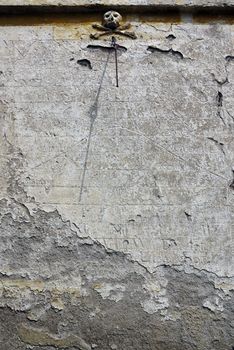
(86, 3)
(117, 208)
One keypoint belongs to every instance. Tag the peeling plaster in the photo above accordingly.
(145, 258)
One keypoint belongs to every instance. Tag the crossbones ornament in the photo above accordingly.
(111, 24)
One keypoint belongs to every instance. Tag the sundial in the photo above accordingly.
(111, 26)
(124, 159)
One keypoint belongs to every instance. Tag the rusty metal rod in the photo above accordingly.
(115, 46)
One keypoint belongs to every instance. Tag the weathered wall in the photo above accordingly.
(116, 203)
(87, 3)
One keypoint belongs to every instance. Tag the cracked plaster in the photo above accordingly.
(144, 257)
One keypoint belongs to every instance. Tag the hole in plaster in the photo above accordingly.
(228, 59)
(171, 52)
(188, 216)
(131, 220)
(219, 99)
(85, 63)
(106, 48)
(171, 37)
(232, 186)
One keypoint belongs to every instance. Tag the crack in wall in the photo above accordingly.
(219, 144)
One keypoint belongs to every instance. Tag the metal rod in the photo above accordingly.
(115, 46)
(116, 67)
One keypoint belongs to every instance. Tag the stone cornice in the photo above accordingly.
(19, 6)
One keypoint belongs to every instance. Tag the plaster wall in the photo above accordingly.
(116, 202)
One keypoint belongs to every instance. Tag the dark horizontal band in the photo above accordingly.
(126, 6)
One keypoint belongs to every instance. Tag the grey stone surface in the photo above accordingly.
(68, 292)
(117, 208)
(174, 3)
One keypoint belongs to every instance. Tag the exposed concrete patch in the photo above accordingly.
(110, 291)
(167, 307)
(36, 337)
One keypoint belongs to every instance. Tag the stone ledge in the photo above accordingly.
(176, 3)
(17, 6)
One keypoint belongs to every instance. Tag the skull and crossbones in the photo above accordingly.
(111, 24)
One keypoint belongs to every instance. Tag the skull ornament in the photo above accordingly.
(111, 24)
(112, 19)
